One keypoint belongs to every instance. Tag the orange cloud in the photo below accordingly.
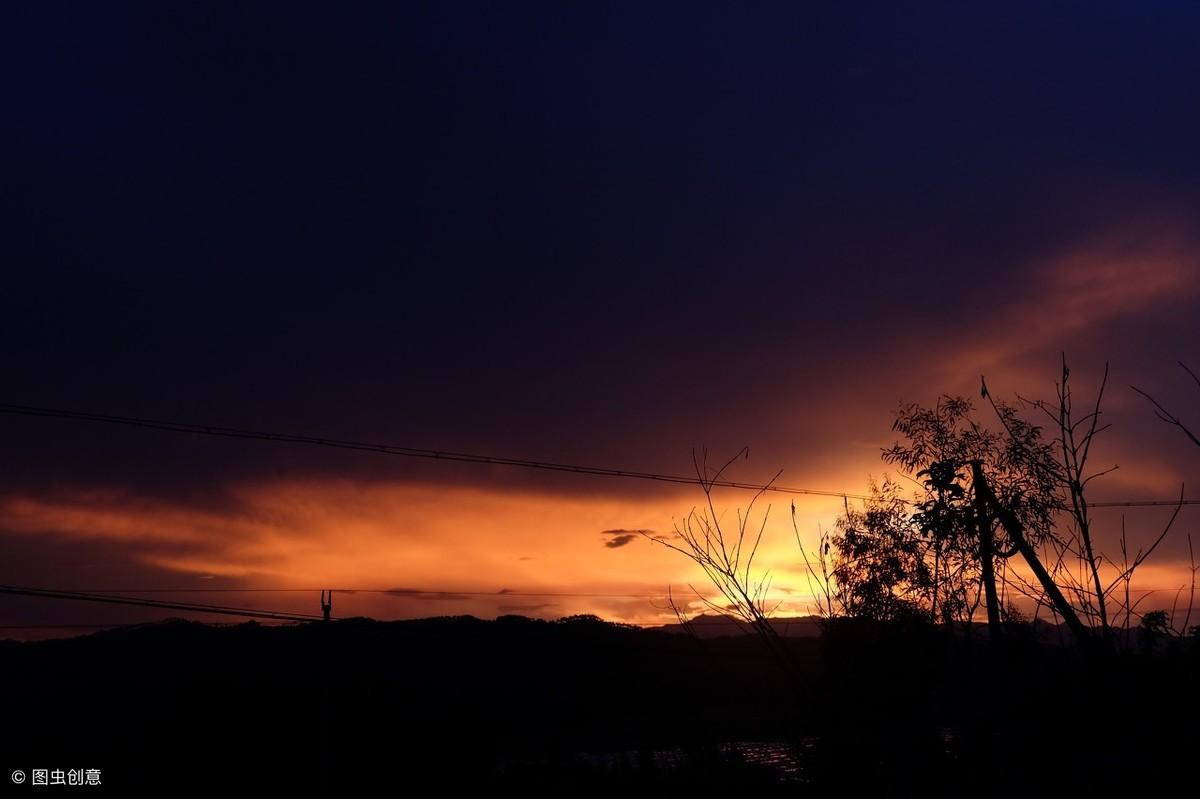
(1073, 294)
(442, 546)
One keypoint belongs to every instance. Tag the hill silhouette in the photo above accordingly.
(469, 700)
(578, 706)
(715, 625)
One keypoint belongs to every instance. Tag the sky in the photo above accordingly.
(605, 234)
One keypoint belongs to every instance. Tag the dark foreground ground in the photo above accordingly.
(580, 707)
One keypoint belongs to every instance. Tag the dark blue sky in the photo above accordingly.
(607, 232)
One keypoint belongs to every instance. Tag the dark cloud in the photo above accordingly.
(432, 596)
(534, 608)
(48, 560)
(67, 562)
(620, 536)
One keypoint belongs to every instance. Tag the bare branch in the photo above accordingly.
(1168, 417)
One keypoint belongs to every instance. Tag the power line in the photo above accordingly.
(65, 626)
(416, 593)
(408, 452)
(276, 616)
(84, 596)
(102, 626)
(464, 457)
(1145, 503)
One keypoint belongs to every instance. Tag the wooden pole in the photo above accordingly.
(1016, 532)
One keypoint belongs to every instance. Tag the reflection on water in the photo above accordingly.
(782, 759)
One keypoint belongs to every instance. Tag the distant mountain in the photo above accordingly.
(716, 625)
(465, 699)
(719, 625)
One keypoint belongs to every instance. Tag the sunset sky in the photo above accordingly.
(602, 235)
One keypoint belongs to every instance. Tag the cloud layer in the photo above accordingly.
(602, 235)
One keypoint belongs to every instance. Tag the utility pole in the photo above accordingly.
(1016, 532)
(323, 677)
(987, 550)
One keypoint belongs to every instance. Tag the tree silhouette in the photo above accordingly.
(726, 555)
(985, 496)
(939, 446)
(1168, 417)
(883, 571)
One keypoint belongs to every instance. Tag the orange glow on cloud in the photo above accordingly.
(512, 547)
(419, 537)
(314, 533)
(1071, 296)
